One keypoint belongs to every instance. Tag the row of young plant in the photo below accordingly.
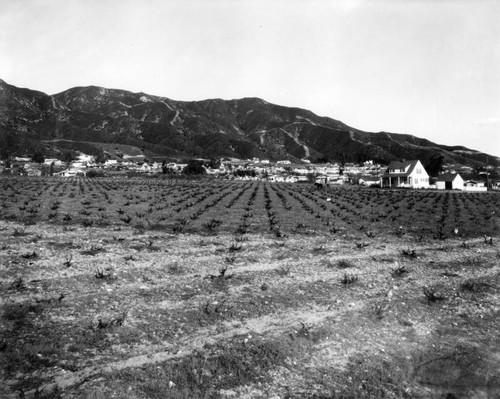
(209, 204)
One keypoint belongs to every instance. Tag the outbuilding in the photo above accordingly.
(369, 181)
(450, 181)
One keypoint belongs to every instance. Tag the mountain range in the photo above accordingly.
(119, 123)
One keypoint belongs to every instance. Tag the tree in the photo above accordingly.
(38, 157)
(194, 168)
(435, 165)
(9, 144)
(213, 163)
(100, 158)
(68, 156)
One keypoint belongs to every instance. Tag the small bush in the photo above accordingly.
(400, 271)
(344, 264)
(433, 294)
(235, 247)
(212, 224)
(409, 253)
(17, 285)
(30, 255)
(19, 232)
(101, 274)
(283, 271)
(349, 279)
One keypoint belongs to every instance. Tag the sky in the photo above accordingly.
(423, 67)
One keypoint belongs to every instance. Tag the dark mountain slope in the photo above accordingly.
(244, 128)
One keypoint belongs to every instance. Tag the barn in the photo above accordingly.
(450, 181)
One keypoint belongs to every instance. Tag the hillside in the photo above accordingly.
(86, 118)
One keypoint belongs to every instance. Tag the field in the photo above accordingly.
(149, 288)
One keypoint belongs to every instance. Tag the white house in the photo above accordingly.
(449, 181)
(406, 174)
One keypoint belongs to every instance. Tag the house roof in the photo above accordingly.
(447, 177)
(369, 178)
(401, 165)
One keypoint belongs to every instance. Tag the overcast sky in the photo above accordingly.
(424, 67)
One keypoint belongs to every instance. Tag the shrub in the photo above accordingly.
(96, 173)
(344, 264)
(349, 279)
(400, 271)
(433, 294)
(283, 271)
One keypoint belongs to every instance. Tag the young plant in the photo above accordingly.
(32, 255)
(349, 279)
(283, 271)
(17, 285)
(433, 295)
(410, 253)
(69, 261)
(400, 271)
(234, 247)
(344, 264)
(101, 274)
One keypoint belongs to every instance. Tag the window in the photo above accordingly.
(416, 181)
(419, 171)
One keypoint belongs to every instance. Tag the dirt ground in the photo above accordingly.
(114, 312)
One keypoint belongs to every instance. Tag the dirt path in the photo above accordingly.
(306, 148)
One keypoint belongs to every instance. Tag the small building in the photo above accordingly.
(411, 174)
(78, 164)
(450, 181)
(472, 185)
(276, 178)
(32, 169)
(55, 161)
(321, 181)
(111, 162)
(71, 173)
(369, 181)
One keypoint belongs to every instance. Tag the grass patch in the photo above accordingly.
(364, 377)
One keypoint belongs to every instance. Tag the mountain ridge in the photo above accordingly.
(161, 127)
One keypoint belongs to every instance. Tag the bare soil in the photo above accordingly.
(114, 312)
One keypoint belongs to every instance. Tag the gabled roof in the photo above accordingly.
(447, 177)
(401, 165)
